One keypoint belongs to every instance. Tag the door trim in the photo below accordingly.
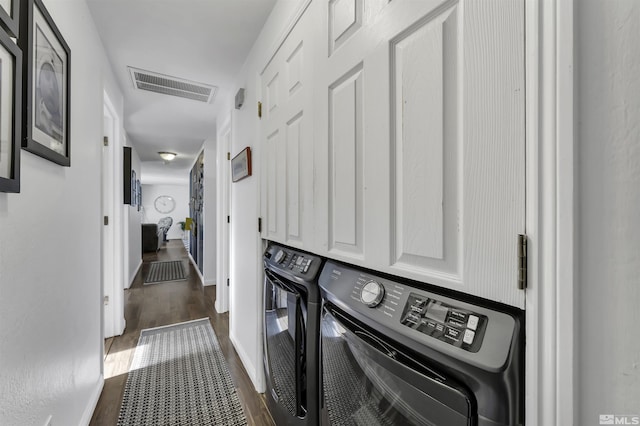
(114, 208)
(550, 199)
(224, 210)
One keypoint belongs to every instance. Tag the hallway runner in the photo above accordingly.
(179, 376)
(161, 272)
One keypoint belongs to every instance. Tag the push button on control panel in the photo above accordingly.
(473, 322)
(468, 337)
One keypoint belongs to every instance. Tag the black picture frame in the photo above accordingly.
(241, 165)
(10, 114)
(126, 175)
(10, 19)
(46, 85)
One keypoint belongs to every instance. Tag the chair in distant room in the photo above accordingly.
(163, 227)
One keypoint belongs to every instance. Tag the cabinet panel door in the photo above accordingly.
(346, 157)
(273, 143)
(443, 141)
(287, 133)
(425, 147)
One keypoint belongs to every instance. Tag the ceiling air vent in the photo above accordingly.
(173, 86)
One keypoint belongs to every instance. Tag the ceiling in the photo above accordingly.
(205, 41)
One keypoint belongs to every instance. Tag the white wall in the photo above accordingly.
(50, 291)
(180, 194)
(608, 163)
(245, 292)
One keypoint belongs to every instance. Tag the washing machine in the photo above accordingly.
(400, 352)
(291, 334)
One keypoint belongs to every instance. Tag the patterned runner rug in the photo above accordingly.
(179, 376)
(161, 272)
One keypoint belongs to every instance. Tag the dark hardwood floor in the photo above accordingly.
(162, 304)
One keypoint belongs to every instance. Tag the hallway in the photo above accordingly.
(163, 304)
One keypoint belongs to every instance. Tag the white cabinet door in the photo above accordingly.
(420, 146)
(287, 138)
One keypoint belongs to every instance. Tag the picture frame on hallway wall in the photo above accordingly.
(10, 113)
(10, 16)
(46, 85)
(134, 191)
(241, 165)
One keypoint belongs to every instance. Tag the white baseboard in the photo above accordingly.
(195, 266)
(248, 365)
(93, 402)
(210, 282)
(135, 274)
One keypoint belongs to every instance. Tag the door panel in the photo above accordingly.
(287, 130)
(425, 144)
(294, 133)
(346, 163)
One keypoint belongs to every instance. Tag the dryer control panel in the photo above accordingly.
(456, 326)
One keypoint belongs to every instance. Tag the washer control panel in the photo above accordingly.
(293, 261)
(459, 327)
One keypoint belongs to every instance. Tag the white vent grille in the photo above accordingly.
(173, 86)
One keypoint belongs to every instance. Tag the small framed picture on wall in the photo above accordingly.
(241, 165)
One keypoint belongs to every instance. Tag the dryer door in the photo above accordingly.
(284, 331)
(368, 380)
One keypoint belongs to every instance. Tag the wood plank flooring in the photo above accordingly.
(148, 306)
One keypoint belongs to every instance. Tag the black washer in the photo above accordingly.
(291, 311)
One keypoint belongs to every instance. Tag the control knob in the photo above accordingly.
(279, 256)
(372, 294)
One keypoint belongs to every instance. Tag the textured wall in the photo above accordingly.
(50, 292)
(180, 194)
(608, 147)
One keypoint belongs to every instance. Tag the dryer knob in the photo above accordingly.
(279, 256)
(372, 294)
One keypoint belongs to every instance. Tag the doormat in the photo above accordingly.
(179, 376)
(161, 272)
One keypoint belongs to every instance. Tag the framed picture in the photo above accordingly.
(241, 165)
(134, 191)
(10, 114)
(126, 175)
(139, 194)
(10, 16)
(46, 83)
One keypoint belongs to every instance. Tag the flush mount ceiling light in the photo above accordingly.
(167, 156)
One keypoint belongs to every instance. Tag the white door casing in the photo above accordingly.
(112, 264)
(224, 213)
